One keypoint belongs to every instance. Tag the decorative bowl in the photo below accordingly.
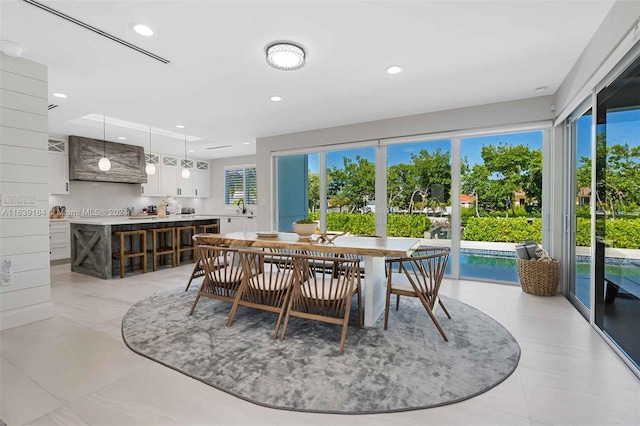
(305, 229)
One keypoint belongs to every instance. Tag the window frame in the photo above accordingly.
(246, 197)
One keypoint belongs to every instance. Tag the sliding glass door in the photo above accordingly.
(579, 210)
(617, 205)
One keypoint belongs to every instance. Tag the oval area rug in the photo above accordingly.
(407, 367)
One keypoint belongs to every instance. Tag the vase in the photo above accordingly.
(162, 211)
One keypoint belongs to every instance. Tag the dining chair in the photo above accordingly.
(269, 278)
(321, 296)
(223, 273)
(198, 269)
(418, 276)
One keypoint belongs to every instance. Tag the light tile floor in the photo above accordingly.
(75, 368)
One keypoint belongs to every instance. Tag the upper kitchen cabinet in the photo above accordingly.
(58, 167)
(152, 187)
(185, 186)
(169, 176)
(201, 179)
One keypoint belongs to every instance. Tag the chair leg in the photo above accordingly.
(193, 273)
(443, 308)
(286, 319)
(425, 303)
(122, 259)
(236, 302)
(285, 307)
(144, 255)
(195, 302)
(345, 325)
(360, 315)
(155, 249)
(387, 307)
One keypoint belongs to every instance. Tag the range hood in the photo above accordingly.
(127, 161)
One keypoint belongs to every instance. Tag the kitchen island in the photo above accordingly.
(93, 241)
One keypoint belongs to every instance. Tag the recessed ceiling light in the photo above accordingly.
(286, 56)
(276, 98)
(541, 88)
(122, 138)
(394, 69)
(59, 95)
(143, 30)
(191, 150)
(180, 126)
(246, 143)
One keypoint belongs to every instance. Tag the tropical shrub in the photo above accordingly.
(398, 225)
(508, 230)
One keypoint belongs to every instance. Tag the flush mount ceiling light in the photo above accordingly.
(180, 126)
(104, 164)
(122, 138)
(59, 95)
(394, 69)
(246, 143)
(276, 98)
(286, 56)
(143, 30)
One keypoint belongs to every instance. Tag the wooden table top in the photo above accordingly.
(364, 246)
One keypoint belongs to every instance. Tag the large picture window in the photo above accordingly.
(240, 185)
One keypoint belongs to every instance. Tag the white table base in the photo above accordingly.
(374, 289)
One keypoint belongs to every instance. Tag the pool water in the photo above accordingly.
(488, 267)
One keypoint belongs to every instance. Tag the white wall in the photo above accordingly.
(492, 115)
(621, 18)
(215, 204)
(109, 195)
(24, 171)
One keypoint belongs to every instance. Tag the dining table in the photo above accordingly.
(373, 250)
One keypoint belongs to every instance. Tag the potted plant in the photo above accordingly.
(305, 227)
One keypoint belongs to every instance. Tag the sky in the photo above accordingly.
(622, 127)
(401, 153)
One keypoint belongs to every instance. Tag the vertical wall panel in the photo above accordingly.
(24, 233)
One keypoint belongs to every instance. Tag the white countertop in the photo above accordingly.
(127, 220)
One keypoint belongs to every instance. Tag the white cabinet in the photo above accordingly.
(58, 167)
(152, 187)
(201, 183)
(238, 223)
(59, 239)
(250, 224)
(168, 179)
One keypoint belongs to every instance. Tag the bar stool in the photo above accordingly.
(123, 255)
(160, 246)
(190, 231)
(213, 228)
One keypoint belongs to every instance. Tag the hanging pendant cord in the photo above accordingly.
(104, 135)
(185, 150)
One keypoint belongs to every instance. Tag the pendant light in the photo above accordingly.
(186, 173)
(150, 169)
(104, 164)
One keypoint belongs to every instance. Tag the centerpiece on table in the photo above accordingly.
(305, 227)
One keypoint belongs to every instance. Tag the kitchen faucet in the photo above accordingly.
(244, 209)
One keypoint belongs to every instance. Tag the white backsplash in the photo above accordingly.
(112, 196)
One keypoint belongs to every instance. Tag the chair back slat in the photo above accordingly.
(223, 271)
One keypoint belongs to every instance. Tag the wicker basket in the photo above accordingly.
(539, 277)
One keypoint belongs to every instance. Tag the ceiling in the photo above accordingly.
(218, 85)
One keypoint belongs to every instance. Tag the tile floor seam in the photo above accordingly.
(32, 380)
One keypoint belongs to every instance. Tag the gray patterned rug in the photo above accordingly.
(407, 367)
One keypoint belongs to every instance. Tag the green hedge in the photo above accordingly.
(622, 233)
(507, 230)
(398, 225)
